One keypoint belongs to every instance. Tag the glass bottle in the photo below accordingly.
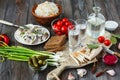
(96, 23)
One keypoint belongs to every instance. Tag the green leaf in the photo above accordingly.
(113, 40)
(92, 46)
(115, 35)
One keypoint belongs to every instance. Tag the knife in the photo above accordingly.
(11, 24)
(111, 51)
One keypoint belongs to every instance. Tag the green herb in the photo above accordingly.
(115, 35)
(92, 46)
(113, 40)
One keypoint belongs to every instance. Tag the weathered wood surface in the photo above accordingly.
(19, 12)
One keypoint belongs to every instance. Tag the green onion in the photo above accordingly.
(25, 53)
(19, 53)
(53, 63)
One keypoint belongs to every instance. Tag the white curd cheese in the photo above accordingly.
(47, 9)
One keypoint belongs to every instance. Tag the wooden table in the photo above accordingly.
(19, 12)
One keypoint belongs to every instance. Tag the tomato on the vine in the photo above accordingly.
(107, 42)
(101, 39)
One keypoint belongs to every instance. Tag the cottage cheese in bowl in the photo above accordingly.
(47, 9)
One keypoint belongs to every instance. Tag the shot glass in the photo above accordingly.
(73, 36)
(81, 25)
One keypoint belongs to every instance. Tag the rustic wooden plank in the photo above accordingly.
(2, 11)
(110, 6)
(21, 10)
(89, 6)
(117, 2)
(82, 9)
(2, 15)
(5, 69)
(10, 15)
(21, 14)
(101, 4)
(76, 9)
(67, 8)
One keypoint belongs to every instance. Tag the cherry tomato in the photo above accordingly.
(61, 26)
(58, 28)
(70, 23)
(67, 23)
(59, 33)
(107, 42)
(59, 23)
(70, 26)
(101, 39)
(64, 20)
(55, 27)
(64, 29)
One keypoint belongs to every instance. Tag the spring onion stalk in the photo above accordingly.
(23, 50)
(18, 58)
(53, 64)
(19, 53)
(52, 60)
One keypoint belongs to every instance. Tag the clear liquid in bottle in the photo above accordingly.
(95, 26)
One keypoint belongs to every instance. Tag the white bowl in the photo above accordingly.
(111, 25)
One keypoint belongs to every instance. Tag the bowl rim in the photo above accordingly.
(110, 54)
(38, 69)
(35, 6)
(113, 22)
(72, 20)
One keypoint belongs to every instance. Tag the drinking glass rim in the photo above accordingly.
(81, 21)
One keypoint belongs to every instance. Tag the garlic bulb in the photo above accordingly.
(111, 72)
(81, 72)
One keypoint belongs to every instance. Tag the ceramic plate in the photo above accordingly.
(20, 40)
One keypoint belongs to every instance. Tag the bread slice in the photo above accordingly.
(57, 49)
(55, 42)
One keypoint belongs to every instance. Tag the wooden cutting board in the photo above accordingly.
(70, 62)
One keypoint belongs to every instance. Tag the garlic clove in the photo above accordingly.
(119, 46)
(71, 76)
(81, 72)
(111, 72)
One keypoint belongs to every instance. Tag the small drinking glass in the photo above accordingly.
(81, 24)
(73, 35)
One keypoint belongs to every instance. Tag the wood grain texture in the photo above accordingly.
(20, 14)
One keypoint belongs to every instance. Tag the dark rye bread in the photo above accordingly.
(56, 49)
(55, 42)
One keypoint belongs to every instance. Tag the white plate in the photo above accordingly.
(19, 39)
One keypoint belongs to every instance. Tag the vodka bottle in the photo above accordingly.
(96, 23)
